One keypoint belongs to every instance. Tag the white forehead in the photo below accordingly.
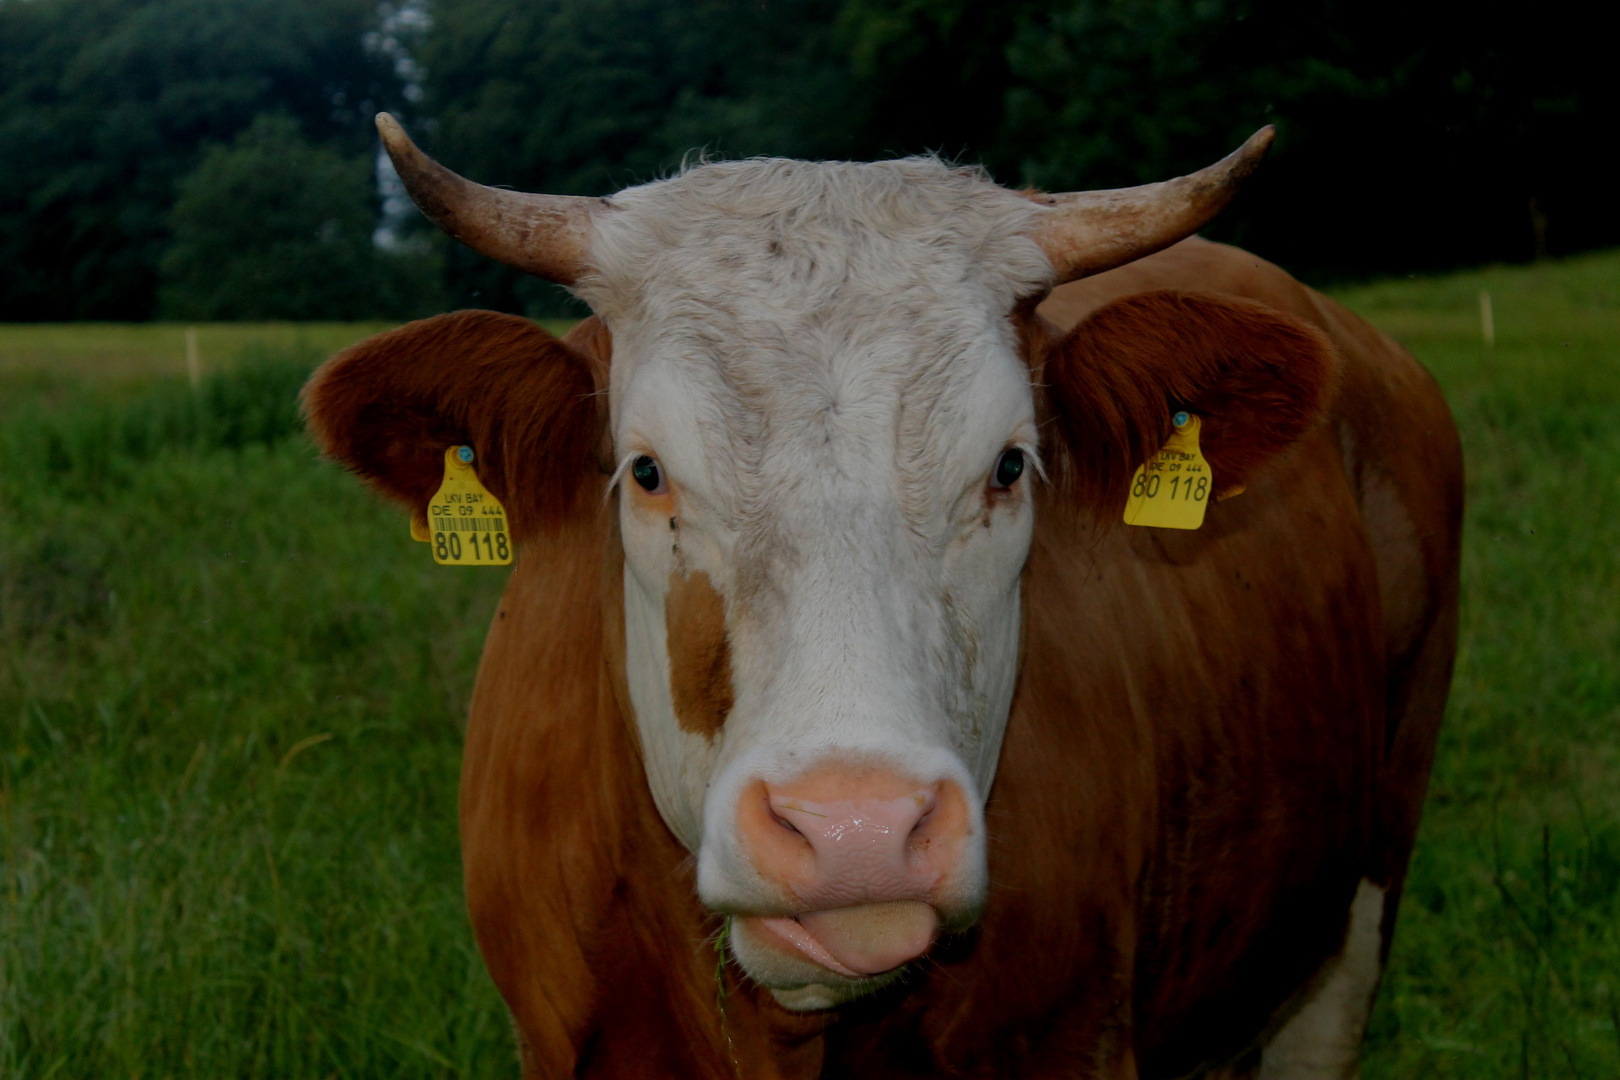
(806, 230)
(753, 299)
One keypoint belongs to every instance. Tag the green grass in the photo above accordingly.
(1507, 958)
(229, 746)
(231, 690)
(73, 352)
(53, 359)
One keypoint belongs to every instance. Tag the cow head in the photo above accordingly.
(818, 413)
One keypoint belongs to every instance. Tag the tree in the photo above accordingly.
(106, 104)
(587, 96)
(273, 227)
(1412, 136)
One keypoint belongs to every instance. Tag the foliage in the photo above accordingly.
(106, 104)
(1412, 136)
(1460, 137)
(588, 96)
(275, 228)
(230, 705)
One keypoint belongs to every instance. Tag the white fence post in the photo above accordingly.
(193, 358)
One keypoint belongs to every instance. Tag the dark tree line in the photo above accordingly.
(109, 108)
(215, 158)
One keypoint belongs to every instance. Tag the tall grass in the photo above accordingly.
(230, 719)
(54, 353)
(1507, 958)
(229, 742)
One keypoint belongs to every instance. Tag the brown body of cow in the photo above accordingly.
(1216, 736)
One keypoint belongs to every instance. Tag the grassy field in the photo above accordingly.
(1507, 959)
(43, 353)
(231, 689)
(46, 359)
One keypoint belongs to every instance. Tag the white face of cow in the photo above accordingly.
(818, 403)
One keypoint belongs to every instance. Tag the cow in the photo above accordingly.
(832, 721)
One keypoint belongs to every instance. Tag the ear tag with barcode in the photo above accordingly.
(465, 523)
(1173, 487)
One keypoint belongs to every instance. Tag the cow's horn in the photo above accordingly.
(547, 235)
(1088, 232)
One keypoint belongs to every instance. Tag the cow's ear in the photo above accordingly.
(390, 406)
(1257, 378)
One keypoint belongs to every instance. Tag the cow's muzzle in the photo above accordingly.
(863, 861)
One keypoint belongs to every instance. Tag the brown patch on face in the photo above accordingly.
(699, 656)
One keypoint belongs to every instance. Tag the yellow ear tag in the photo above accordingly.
(465, 523)
(1172, 488)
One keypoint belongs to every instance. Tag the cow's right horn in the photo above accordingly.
(547, 235)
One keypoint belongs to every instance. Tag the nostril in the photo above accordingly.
(792, 815)
(928, 803)
(774, 811)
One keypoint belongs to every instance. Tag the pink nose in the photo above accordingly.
(842, 837)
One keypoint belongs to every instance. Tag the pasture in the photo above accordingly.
(231, 691)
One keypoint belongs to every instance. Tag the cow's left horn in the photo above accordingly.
(547, 235)
(1088, 232)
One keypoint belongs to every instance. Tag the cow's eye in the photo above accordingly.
(648, 475)
(1009, 467)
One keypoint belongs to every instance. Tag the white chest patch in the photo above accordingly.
(1322, 1041)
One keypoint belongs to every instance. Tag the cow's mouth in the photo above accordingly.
(855, 943)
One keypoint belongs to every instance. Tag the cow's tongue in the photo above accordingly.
(869, 939)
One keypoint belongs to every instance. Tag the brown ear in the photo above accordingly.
(390, 406)
(1257, 378)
